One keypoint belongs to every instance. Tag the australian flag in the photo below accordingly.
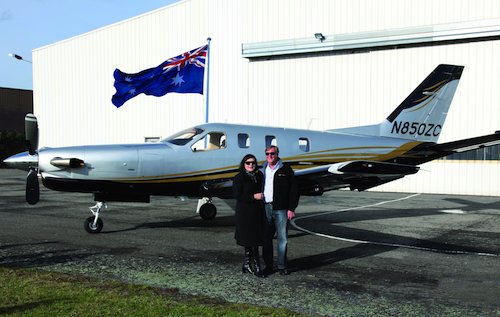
(181, 74)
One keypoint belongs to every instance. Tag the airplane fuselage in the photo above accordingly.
(202, 166)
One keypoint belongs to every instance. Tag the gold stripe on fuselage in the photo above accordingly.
(309, 160)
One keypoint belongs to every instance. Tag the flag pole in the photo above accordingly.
(208, 80)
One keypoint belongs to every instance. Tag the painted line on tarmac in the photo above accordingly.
(292, 222)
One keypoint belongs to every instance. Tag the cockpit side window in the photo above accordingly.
(183, 137)
(212, 141)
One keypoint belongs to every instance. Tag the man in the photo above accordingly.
(281, 197)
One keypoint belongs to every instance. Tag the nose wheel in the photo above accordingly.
(91, 225)
(94, 224)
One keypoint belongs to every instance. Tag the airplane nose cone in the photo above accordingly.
(22, 161)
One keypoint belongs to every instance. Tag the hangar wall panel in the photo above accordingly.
(77, 97)
(73, 79)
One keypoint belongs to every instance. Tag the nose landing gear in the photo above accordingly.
(94, 224)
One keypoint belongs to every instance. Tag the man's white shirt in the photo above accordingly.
(269, 182)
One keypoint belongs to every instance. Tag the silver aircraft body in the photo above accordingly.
(201, 161)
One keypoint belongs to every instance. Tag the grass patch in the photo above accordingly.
(33, 293)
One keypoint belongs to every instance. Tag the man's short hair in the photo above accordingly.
(273, 147)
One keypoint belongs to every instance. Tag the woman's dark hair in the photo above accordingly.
(245, 158)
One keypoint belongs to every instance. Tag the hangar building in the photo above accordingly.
(311, 64)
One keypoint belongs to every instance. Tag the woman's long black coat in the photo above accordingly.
(249, 215)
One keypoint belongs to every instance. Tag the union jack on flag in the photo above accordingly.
(180, 74)
(196, 57)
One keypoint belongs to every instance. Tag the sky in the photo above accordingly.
(26, 25)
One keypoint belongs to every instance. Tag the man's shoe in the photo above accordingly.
(284, 272)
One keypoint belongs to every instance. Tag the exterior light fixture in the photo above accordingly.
(319, 36)
(18, 57)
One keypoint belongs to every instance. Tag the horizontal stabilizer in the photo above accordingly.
(429, 152)
(468, 144)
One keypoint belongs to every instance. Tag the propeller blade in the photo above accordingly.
(32, 187)
(31, 133)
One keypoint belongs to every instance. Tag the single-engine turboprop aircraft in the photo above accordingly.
(201, 161)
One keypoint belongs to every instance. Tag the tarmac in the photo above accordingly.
(350, 253)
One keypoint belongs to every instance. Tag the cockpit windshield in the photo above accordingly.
(183, 137)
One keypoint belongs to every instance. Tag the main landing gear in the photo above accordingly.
(206, 209)
(94, 224)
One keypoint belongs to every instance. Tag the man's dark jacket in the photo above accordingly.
(285, 189)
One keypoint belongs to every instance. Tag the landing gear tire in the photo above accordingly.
(90, 227)
(208, 211)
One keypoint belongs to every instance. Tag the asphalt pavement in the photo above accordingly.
(350, 253)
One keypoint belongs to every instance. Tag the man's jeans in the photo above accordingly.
(277, 222)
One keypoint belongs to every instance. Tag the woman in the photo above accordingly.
(249, 231)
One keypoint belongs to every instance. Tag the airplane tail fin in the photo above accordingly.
(420, 117)
(422, 114)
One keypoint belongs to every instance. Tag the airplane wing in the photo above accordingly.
(359, 175)
(371, 168)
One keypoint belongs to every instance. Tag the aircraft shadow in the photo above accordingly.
(381, 243)
(330, 225)
(371, 214)
(189, 222)
(474, 206)
(323, 259)
(404, 241)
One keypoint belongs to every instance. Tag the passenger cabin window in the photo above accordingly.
(211, 141)
(271, 140)
(243, 140)
(304, 145)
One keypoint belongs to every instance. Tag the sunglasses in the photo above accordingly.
(270, 153)
(250, 163)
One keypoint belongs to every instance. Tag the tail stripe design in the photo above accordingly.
(442, 75)
(421, 116)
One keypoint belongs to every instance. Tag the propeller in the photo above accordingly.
(32, 187)
(31, 135)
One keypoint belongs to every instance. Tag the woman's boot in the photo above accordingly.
(247, 267)
(256, 262)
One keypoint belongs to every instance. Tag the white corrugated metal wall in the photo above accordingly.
(73, 81)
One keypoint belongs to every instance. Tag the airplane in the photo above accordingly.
(201, 161)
